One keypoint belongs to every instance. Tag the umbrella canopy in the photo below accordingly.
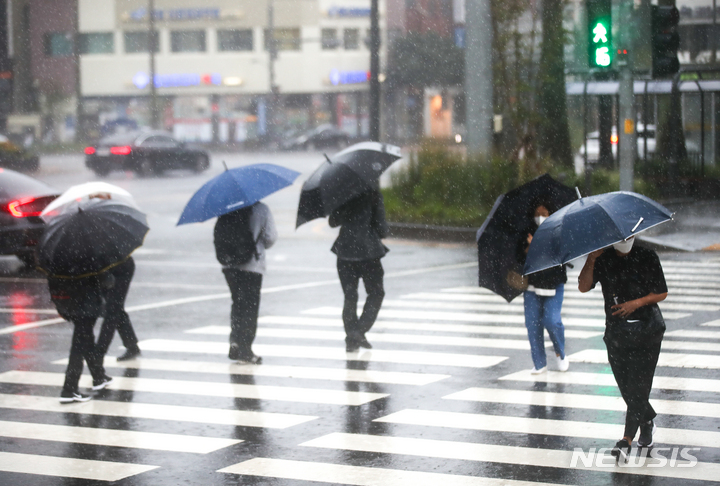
(590, 224)
(235, 189)
(100, 234)
(509, 220)
(346, 175)
(82, 192)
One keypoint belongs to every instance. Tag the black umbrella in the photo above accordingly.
(346, 175)
(509, 220)
(91, 239)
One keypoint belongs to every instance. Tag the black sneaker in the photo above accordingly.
(363, 343)
(73, 396)
(647, 430)
(250, 359)
(234, 352)
(102, 384)
(129, 354)
(621, 451)
(351, 346)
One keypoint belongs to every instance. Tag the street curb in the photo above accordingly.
(427, 232)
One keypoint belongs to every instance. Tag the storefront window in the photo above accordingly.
(329, 39)
(351, 39)
(136, 42)
(285, 39)
(58, 44)
(96, 43)
(187, 41)
(235, 40)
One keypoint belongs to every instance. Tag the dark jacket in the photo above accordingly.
(546, 279)
(76, 298)
(362, 221)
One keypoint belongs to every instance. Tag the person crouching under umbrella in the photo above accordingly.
(78, 300)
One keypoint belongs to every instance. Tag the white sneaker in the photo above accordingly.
(536, 371)
(562, 363)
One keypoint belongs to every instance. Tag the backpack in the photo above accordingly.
(234, 241)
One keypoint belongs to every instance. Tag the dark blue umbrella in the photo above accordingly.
(235, 189)
(589, 224)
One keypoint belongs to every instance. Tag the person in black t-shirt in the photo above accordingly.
(633, 283)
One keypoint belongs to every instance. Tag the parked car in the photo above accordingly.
(13, 156)
(22, 199)
(593, 143)
(144, 152)
(322, 137)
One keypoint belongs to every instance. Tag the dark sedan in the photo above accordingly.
(14, 157)
(145, 153)
(322, 137)
(22, 199)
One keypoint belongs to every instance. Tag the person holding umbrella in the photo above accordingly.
(359, 249)
(244, 230)
(632, 283)
(543, 301)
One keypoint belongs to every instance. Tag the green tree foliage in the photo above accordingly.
(420, 60)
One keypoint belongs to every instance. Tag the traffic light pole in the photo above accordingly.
(627, 139)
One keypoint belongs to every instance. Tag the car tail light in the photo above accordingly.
(614, 139)
(28, 206)
(121, 150)
(89, 150)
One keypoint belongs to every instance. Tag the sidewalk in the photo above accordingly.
(695, 227)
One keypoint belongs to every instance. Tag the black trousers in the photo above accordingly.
(83, 347)
(350, 273)
(634, 369)
(116, 318)
(245, 289)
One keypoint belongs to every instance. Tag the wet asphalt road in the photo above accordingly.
(387, 416)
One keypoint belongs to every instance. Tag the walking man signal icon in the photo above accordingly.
(600, 34)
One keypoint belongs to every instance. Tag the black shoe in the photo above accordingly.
(251, 358)
(647, 430)
(234, 352)
(621, 451)
(73, 396)
(102, 384)
(363, 343)
(351, 346)
(129, 354)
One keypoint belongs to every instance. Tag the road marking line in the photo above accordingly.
(495, 453)
(687, 333)
(336, 353)
(24, 310)
(304, 372)
(402, 325)
(114, 437)
(175, 413)
(204, 388)
(575, 400)
(69, 468)
(670, 360)
(715, 323)
(524, 425)
(361, 476)
(605, 379)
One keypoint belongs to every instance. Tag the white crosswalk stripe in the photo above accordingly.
(427, 345)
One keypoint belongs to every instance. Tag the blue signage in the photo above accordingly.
(348, 12)
(141, 80)
(141, 14)
(338, 77)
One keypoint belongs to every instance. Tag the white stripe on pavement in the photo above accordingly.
(400, 325)
(670, 360)
(204, 388)
(470, 306)
(305, 372)
(456, 316)
(65, 467)
(687, 333)
(526, 456)
(175, 413)
(715, 323)
(606, 379)
(541, 426)
(337, 353)
(587, 402)
(114, 437)
(360, 475)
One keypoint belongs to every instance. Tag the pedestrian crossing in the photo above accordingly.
(444, 397)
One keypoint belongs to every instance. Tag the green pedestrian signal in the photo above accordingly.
(599, 33)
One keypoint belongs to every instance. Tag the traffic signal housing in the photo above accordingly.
(665, 41)
(600, 49)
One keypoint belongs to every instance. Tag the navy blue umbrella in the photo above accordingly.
(235, 189)
(589, 224)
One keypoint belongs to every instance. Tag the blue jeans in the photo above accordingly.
(544, 313)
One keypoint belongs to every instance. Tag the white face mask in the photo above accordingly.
(624, 246)
(539, 220)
